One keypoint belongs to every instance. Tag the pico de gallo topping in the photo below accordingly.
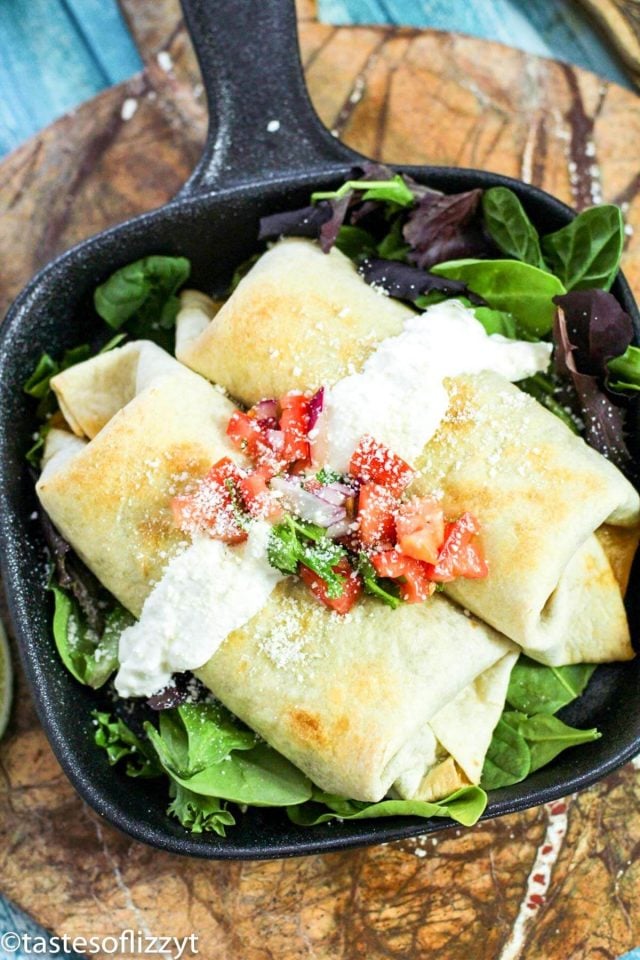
(341, 534)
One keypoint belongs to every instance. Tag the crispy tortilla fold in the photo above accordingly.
(155, 428)
(549, 505)
(349, 699)
(299, 316)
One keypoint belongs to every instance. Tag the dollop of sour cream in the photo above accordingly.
(205, 593)
(399, 397)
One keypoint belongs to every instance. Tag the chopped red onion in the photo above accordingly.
(308, 506)
(316, 405)
(339, 529)
(266, 409)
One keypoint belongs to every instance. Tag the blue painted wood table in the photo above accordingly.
(459, 895)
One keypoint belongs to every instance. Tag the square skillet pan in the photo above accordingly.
(250, 64)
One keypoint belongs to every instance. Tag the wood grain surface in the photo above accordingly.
(548, 884)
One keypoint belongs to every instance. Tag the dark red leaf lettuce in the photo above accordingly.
(304, 222)
(597, 328)
(603, 419)
(405, 282)
(446, 227)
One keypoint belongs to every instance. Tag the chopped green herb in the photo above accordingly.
(289, 545)
(384, 589)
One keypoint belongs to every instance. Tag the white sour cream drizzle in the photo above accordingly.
(399, 397)
(205, 593)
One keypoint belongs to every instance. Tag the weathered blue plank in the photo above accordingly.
(14, 924)
(53, 55)
(550, 28)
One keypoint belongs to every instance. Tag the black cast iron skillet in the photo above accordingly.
(250, 63)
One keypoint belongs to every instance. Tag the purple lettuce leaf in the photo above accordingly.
(446, 227)
(597, 328)
(604, 420)
(405, 282)
(304, 222)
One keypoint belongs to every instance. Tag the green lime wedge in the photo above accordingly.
(6, 681)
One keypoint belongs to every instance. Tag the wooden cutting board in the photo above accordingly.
(547, 884)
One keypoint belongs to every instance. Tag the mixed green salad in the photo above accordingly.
(421, 246)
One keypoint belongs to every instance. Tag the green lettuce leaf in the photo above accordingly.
(465, 806)
(199, 814)
(89, 657)
(203, 748)
(142, 295)
(120, 742)
(586, 253)
(512, 287)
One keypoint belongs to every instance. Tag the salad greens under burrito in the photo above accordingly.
(421, 247)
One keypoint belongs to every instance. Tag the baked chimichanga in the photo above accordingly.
(380, 697)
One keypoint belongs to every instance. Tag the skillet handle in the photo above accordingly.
(261, 122)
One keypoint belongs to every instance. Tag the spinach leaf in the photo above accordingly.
(517, 288)
(508, 758)
(586, 253)
(510, 227)
(89, 657)
(142, 295)
(199, 814)
(38, 384)
(536, 688)
(626, 370)
(120, 742)
(465, 806)
(207, 751)
(547, 736)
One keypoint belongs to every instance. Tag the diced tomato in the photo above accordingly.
(376, 520)
(224, 469)
(257, 497)
(245, 432)
(372, 462)
(417, 585)
(294, 423)
(460, 556)
(351, 590)
(211, 507)
(420, 528)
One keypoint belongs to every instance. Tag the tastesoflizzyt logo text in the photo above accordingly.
(129, 943)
